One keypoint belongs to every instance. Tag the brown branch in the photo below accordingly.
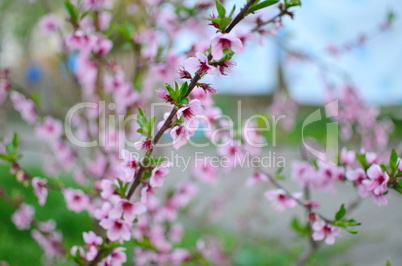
(242, 14)
(192, 85)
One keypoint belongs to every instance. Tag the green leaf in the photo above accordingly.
(224, 23)
(363, 161)
(262, 5)
(172, 93)
(5, 157)
(390, 16)
(291, 3)
(36, 97)
(232, 11)
(298, 227)
(183, 89)
(141, 112)
(394, 156)
(228, 55)
(393, 161)
(184, 101)
(10, 150)
(220, 8)
(352, 231)
(341, 213)
(388, 263)
(15, 141)
(72, 11)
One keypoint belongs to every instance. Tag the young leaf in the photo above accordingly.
(352, 231)
(232, 12)
(262, 5)
(220, 8)
(298, 227)
(72, 11)
(15, 140)
(141, 112)
(341, 213)
(290, 3)
(184, 101)
(184, 89)
(362, 159)
(5, 157)
(393, 160)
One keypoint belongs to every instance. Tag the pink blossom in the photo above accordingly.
(157, 176)
(181, 133)
(280, 200)
(176, 232)
(78, 40)
(256, 178)
(158, 238)
(146, 191)
(50, 129)
(107, 189)
(128, 166)
(144, 145)
(184, 193)
(207, 88)
(49, 242)
(378, 180)
(231, 151)
(76, 199)
(190, 110)
(358, 176)
(326, 176)
(116, 258)
(98, 165)
(63, 153)
(97, 5)
(25, 107)
(224, 41)
(205, 171)
(377, 184)
(49, 23)
(179, 256)
(114, 83)
(79, 249)
(371, 158)
(129, 211)
(40, 189)
(302, 172)
(91, 239)
(103, 212)
(102, 45)
(47, 227)
(164, 96)
(347, 157)
(327, 231)
(117, 229)
(200, 64)
(23, 216)
(104, 20)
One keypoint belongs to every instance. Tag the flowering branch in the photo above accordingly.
(308, 207)
(194, 81)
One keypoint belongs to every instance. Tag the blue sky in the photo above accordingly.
(374, 69)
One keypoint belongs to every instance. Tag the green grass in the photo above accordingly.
(17, 247)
